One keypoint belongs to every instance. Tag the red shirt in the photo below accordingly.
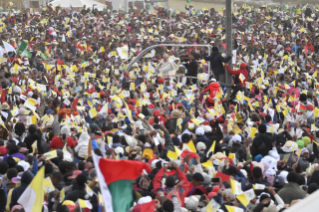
(57, 142)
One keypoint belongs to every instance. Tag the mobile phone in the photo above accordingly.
(64, 136)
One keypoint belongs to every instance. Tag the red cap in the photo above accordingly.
(156, 113)
(151, 106)
(15, 80)
(161, 80)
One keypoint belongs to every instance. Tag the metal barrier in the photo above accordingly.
(138, 57)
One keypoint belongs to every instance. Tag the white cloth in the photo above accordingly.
(83, 144)
(167, 68)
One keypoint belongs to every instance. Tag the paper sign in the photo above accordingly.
(34, 146)
(48, 186)
(50, 155)
(212, 206)
(66, 102)
(93, 112)
(62, 195)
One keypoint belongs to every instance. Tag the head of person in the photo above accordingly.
(298, 42)
(56, 177)
(168, 206)
(165, 57)
(170, 181)
(11, 173)
(3, 167)
(257, 173)
(191, 56)
(262, 128)
(228, 195)
(12, 148)
(268, 118)
(32, 129)
(81, 180)
(198, 179)
(265, 200)
(292, 177)
(312, 188)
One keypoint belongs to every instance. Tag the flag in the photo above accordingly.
(235, 187)
(85, 204)
(8, 47)
(123, 52)
(191, 154)
(33, 196)
(22, 46)
(212, 206)
(190, 146)
(116, 180)
(245, 197)
(43, 56)
(302, 107)
(60, 62)
(233, 209)
(172, 155)
(212, 148)
(149, 206)
(28, 54)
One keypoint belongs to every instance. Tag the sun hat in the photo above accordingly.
(290, 146)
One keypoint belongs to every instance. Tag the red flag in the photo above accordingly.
(79, 46)
(191, 154)
(302, 107)
(149, 207)
(306, 49)
(60, 62)
(224, 45)
(32, 42)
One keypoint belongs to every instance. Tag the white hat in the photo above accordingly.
(143, 200)
(236, 138)
(200, 131)
(274, 154)
(270, 172)
(271, 161)
(191, 203)
(25, 165)
(200, 146)
(119, 150)
(284, 175)
(207, 128)
(212, 79)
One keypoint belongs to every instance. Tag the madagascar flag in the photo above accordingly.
(60, 62)
(116, 179)
(302, 107)
(150, 206)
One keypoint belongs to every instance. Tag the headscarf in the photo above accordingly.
(314, 178)
(312, 188)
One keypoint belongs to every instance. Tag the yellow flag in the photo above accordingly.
(93, 112)
(32, 197)
(172, 155)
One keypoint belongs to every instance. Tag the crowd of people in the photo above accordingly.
(69, 95)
